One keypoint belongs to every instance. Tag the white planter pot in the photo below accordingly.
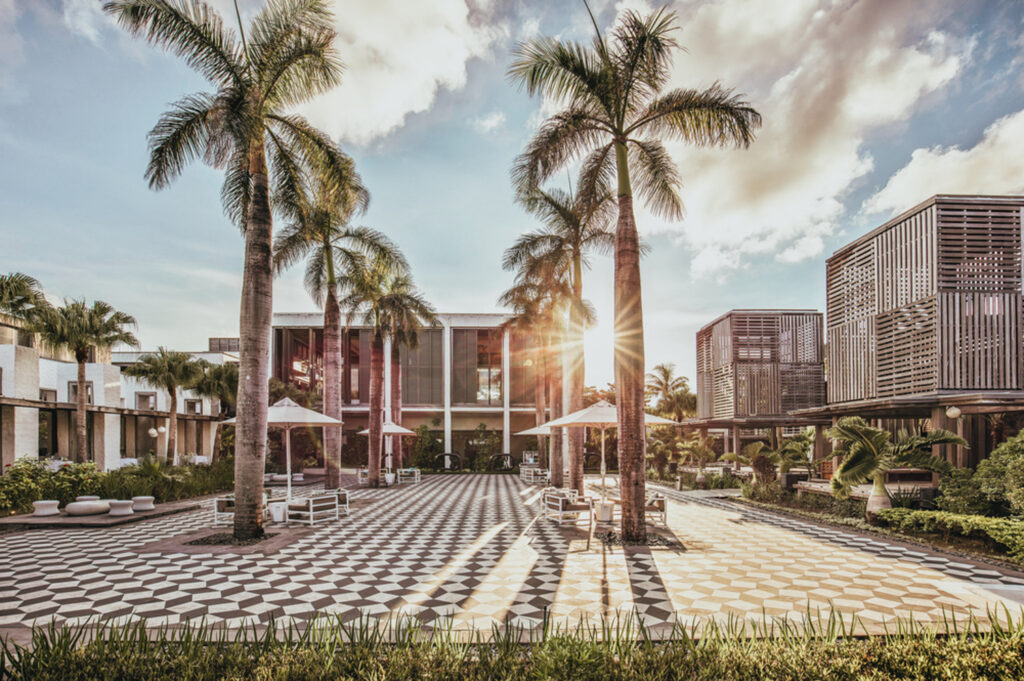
(605, 512)
(45, 507)
(389, 478)
(277, 511)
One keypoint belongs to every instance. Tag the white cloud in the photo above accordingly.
(11, 45)
(488, 122)
(86, 18)
(824, 75)
(995, 165)
(398, 55)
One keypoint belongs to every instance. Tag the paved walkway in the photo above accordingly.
(469, 547)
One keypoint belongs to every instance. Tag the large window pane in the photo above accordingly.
(422, 366)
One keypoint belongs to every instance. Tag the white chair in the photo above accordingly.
(224, 509)
(363, 476)
(656, 509)
(560, 507)
(408, 475)
(311, 510)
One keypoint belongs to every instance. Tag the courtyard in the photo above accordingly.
(469, 550)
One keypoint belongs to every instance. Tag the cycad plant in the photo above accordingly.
(699, 449)
(615, 114)
(761, 459)
(168, 370)
(245, 125)
(79, 328)
(319, 230)
(868, 453)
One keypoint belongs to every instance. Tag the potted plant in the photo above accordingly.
(700, 450)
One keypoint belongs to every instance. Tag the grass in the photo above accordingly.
(818, 648)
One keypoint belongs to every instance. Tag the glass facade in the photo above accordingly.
(422, 370)
(476, 367)
(299, 359)
(523, 370)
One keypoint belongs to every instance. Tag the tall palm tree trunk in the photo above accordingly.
(396, 401)
(172, 425)
(376, 407)
(81, 432)
(629, 359)
(332, 388)
(576, 377)
(254, 355)
(555, 374)
(540, 389)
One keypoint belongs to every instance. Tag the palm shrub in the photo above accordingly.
(761, 459)
(615, 114)
(244, 124)
(699, 449)
(868, 453)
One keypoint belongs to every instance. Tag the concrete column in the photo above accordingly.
(129, 437)
(387, 391)
(161, 440)
(207, 431)
(446, 355)
(106, 440)
(737, 445)
(506, 398)
(20, 377)
(818, 452)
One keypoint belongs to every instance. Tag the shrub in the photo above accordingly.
(425, 447)
(773, 493)
(28, 481)
(995, 488)
(1001, 534)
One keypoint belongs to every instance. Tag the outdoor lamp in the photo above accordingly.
(953, 412)
(161, 430)
(152, 432)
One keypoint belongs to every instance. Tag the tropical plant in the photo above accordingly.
(699, 449)
(79, 329)
(661, 382)
(575, 227)
(320, 230)
(19, 295)
(761, 459)
(868, 453)
(169, 370)
(219, 382)
(380, 294)
(246, 127)
(616, 114)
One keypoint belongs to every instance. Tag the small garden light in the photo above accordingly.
(953, 412)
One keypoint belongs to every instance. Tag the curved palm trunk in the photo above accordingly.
(396, 401)
(376, 407)
(555, 375)
(81, 431)
(332, 388)
(172, 426)
(629, 359)
(254, 356)
(576, 378)
(540, 389)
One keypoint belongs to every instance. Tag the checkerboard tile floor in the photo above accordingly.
(470, 547)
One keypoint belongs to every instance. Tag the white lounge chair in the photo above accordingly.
(408, 475)
(656, 509)
(562, 507)
(311, 510)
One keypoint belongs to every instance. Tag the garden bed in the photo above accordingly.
(959, 547)
(617, 652)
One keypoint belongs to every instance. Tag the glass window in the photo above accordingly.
(422, 366)
(47, 395)
(73, 392)
(523, 369)
(145, 401)
(476, 367)
(193, 406)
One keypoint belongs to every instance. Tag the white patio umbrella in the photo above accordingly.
(389, 428)
(536, 430)
(286, 414)
(602, 416)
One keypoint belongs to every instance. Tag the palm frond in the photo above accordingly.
(712, 117)
(656, 178)
(181, 135)
(562, 138)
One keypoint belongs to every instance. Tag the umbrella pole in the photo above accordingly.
(604, 492)
(288, 459)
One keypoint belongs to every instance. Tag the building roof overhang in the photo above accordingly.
(98, 409)
(766, 421)
(921, 406)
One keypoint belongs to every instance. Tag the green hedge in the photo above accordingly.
(1002, 534)
(364, 651)
(26, 481)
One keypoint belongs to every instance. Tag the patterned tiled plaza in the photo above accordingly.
(471, 547)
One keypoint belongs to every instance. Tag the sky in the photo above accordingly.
(869, 108)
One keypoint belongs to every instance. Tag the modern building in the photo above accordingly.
(755, 368)
(924, 321)
(467, 371)
(38, 401)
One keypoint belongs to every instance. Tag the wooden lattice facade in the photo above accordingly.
(928, 303)
(760, 363)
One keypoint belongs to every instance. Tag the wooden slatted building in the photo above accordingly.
(924, 313)
(755, 367)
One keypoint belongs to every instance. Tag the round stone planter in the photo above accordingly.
(121, 507)
(87, 507)
(143, 503)
(280, 477)
(87, 497)
(45, 507)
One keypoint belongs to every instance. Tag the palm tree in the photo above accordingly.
(869, 453)
(170, 370)
(661, 383)
(78, 328)
(219, 382)
(528, 321)
(319, 230)
(244, 125)
(615, 117)
(575, 226)
(373, 293)
(19, 295)
(406, 311)
(761, 458)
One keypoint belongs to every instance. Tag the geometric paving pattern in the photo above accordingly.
(471, 548)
